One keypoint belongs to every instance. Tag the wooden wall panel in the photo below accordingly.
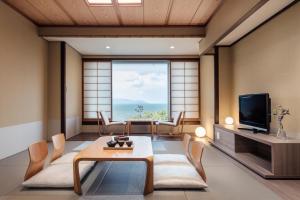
(205, 11)
(182, 12)
(156, 11)
(79, 11)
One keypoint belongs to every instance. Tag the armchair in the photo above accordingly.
(104, 124)
(178, 121)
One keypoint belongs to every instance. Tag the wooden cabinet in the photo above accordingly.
(266, 155)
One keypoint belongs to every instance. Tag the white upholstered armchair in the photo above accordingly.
(178, 122)
(104, 124)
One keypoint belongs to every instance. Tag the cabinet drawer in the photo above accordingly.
(224, 138)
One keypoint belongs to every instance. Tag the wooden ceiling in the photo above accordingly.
(150, 13)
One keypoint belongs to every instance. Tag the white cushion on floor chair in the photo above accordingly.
(68, 159)
(170, 158)
(56, 176)
(177, 176)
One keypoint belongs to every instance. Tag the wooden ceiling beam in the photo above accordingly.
(153, 31)
(229, 16)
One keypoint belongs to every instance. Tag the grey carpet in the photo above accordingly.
(118, 178)
(83, 146)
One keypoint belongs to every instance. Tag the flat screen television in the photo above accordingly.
(255, 110)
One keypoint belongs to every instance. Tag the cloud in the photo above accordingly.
(137, 85)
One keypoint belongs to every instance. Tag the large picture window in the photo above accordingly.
(140, 89)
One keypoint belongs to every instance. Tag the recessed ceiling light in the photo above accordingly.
(99, 2)
(107, 47)
(129, 1)
(172, 47)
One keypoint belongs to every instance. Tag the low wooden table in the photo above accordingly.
(147, 121)
(142, 151)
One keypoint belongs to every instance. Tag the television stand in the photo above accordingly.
(254, 130)
(266, 155)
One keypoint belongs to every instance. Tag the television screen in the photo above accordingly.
(254, 110)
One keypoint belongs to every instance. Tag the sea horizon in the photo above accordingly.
(124, 111)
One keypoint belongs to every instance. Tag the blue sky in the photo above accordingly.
(137, 81)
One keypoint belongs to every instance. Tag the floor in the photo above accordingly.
(227, 180)
(92, 136)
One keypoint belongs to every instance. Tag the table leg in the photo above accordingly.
(128, 127)
(76, 177)
(149, 176)
(152, 129)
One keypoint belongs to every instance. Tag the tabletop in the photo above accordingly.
(142, 149)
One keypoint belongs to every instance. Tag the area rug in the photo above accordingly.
(83, 146)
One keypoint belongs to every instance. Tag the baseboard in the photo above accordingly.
(17, 138)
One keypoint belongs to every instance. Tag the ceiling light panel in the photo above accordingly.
(99, 2)
(129, 2)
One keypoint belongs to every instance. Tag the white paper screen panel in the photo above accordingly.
(97, 88)
(185, 88)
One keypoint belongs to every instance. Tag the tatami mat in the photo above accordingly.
(227, 180)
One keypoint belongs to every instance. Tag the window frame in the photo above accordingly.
(144, 61)
(188, 121)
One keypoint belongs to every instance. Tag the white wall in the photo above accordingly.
(268, 60)
(207, 93)
(73, 92)
(23, 83)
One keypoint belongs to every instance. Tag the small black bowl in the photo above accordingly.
(129, 143)
(125, 138)
(111, 143)
(121, 143)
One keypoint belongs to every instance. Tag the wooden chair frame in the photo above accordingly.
(180, 124)
(196, 152)
(38, 153)
(58, 146)
(102, 126)
(186, 144)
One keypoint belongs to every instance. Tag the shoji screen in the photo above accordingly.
(97, 88)
(185, 88)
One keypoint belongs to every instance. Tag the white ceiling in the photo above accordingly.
(265, 12)
(132, 46)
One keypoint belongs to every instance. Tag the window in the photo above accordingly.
(140, 89)
(97, 88)
(185, 88)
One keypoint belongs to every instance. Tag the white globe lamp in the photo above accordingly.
(229, 120)
(200, 132)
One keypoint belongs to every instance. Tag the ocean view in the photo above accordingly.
(139, 111)
(139, 90)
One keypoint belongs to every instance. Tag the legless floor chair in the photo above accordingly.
(178, 122)
(183, 174)
(104, 124)
(58, 175)
(175, 158)
(37, 154)
(58, 156)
